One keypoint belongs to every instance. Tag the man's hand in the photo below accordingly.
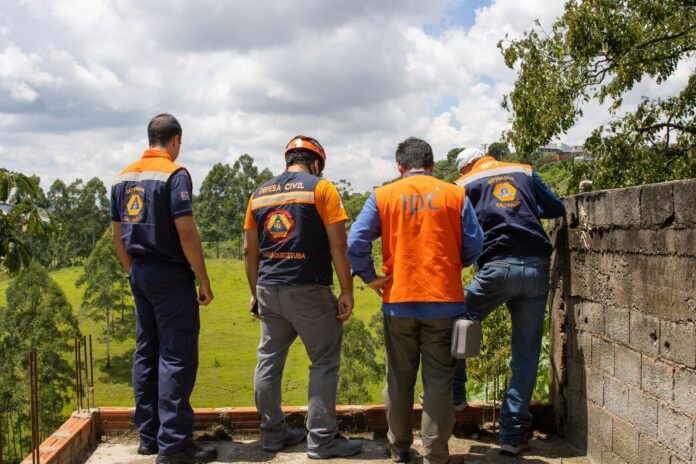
(205, 294)
(345, 306)
(378, 284)
(253, 307)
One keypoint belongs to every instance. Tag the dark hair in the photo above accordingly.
(304, 157)
(162, 129)
(414, 153)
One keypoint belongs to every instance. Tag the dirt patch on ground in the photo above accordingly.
(247, 449)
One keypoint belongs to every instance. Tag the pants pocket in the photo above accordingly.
(541, 279)
(313, 301)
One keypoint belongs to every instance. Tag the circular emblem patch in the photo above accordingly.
(279, 225)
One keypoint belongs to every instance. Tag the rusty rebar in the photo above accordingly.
(91, 371)
(1, 451)
(84, 346)
(78, 375)
(34, 393)
(77, 381)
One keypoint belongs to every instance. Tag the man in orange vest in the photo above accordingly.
(429, 233)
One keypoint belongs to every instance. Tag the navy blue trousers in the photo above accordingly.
(166, 352)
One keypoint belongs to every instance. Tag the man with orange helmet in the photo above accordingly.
(429, 232)
(294, 229)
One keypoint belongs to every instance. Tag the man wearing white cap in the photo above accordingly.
(510, 200)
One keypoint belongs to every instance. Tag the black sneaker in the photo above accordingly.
(292, 437)
(194, 454)
(147, 450)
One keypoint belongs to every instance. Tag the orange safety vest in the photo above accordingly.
(421, 219)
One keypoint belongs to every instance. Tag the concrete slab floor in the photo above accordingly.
(248, 450)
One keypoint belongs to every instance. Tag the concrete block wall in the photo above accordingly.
(623, 319)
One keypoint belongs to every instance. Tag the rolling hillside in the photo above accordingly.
(228, 341)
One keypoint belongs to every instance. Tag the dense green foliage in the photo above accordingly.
(107, 293)
(221, 203)
(360, 368)
(22, 219)
(446, 169)
(37, 315)
(598, 51)
(353, 202)
(83, 212)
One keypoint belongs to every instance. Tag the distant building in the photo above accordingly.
(580, 155)
(561, 152)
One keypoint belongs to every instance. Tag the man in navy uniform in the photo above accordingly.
(294, 230)
(158, 244)
(510, 200)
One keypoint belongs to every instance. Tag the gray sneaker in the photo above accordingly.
(514, 450)
(339, 447)
(292, 437)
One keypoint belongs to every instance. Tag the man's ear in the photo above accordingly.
(316, 167)
(402, 170)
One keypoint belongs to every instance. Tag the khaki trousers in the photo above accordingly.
(407, 341)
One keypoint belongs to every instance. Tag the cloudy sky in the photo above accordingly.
(80, 79)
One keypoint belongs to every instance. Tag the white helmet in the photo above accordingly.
(468, 156)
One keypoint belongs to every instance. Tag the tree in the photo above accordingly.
(221, 204)
(93, 214)
(446, 169)
(499, 150)
(106, 292)
(599, 50)
(492, 364)
(352, 202)
(63, 200)
(359, 366)
(37, 314)
(247, 178)
(21, 218)
(216, 210)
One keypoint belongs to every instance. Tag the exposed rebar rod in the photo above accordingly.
(84, 346)
(1, 452)
(77, 384)
(91, 371)
(34, 394)
(79, 373)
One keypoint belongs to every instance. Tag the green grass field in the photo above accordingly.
(228, 341)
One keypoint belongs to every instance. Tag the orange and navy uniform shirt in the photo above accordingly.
(146, 197)
(510, 200)
(429, 232)
(290, 214)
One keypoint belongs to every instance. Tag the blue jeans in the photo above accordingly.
(523, 285)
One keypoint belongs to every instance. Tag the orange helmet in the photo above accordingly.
(302, 141)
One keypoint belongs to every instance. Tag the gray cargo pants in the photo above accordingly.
(308, 311)
(406, 340)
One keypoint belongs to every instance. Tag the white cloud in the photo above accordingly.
(79, 80)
